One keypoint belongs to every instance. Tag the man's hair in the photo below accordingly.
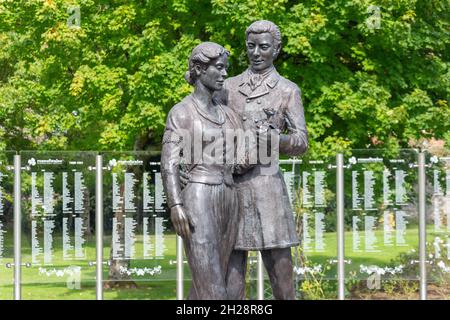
(263, 26)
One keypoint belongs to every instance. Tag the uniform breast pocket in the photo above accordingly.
(275, 115)
(270, 104)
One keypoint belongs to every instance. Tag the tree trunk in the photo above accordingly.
(117, 279)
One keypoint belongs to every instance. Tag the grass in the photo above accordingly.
(163, 286)
(41, 286)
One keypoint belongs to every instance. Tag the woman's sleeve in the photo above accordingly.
(172, 145)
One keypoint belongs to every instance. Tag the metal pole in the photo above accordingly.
(340, 224)
(99, 225)
(180, 269)
(422, 228)
(17, 229)
(260, 278)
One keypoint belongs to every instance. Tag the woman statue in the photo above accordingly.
(205, 212)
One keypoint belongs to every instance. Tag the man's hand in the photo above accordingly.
(181, 221)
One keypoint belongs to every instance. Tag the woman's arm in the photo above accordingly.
(172, 146)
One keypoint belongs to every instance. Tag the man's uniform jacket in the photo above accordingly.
(266, 219)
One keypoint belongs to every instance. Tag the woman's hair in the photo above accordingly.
(202, 55)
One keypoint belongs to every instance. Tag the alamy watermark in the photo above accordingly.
(235, 147)
(74, 20)
(374, 20)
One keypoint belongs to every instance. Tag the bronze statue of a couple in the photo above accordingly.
(223, 209)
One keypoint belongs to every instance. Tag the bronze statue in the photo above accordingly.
(205, 212)
(265, 102)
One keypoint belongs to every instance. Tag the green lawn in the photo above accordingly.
(381, 258)
(163, 286)
(40, 286)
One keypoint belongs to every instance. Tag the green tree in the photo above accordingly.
(109, 83)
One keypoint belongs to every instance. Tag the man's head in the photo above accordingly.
(263, 40)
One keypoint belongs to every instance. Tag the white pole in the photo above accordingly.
(17, 229)
(180, 269)
(99, 225)
(260, 278)
(422, 228)
(340, 224)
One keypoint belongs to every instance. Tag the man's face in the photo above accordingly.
(214, 76)
(261, 50)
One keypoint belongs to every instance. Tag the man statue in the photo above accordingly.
(265, 101)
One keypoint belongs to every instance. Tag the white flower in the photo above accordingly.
(112, 162)
(381, 271)
(437, 240)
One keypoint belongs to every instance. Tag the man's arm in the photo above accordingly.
(295, 142)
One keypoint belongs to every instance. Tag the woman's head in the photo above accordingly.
(207, 64)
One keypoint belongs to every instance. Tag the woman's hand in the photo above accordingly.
(182, 222)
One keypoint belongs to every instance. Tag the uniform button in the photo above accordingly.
(244, 118)
(258, 101)
(248, 100)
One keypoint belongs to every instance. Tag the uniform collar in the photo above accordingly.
(269, 82)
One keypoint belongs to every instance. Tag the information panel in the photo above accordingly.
(6, 224)
(139, 245)
(314, 206)
(58, 212)
(381, 219)
(310, 185)
(438, 226)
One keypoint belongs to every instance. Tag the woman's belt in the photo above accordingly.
(212, 178)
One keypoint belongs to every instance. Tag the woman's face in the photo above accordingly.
(214, 76)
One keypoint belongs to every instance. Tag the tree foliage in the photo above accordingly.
(109, 83)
